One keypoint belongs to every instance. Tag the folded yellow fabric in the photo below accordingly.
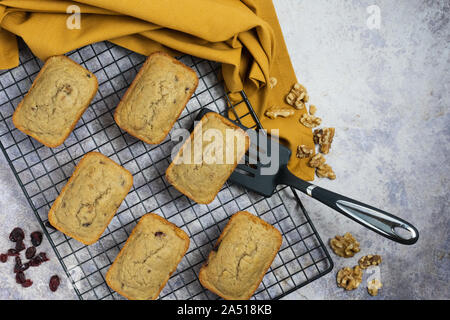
(242, 35)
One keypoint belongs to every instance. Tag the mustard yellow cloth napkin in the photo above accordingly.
(242, 35)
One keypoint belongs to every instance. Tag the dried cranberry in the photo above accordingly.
(159, 234)
(31, 251)
(20, 277)
(3, 257)
(18, 265)
(35, 262)
(25, 266)
(16, 235)
(43, 256)
(13, 253)
(36, 238)
(20, 246)
(54, 283)
(27, 283)
(38, 259)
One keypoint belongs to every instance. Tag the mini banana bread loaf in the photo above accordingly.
(241, 257)
(57, 99)
(150, 255)
(91, 197)
(207, 159)
(156, 98)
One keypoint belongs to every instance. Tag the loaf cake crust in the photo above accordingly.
(156, 98)
(91, 197)
(148, 258)
(241, 257)
(57, 99)
(202, 181)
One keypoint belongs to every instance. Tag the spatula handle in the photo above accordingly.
(375, 219)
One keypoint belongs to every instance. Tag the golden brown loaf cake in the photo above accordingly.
(57, 99)
(201, 177)
(242, 255)
(150, 255)
(91, 197)
(156, 98)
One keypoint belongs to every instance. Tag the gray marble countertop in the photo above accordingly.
(385, 90)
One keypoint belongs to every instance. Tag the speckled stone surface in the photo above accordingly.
(386, 91)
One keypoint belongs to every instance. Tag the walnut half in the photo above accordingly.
(310, 121)
(325, 171)
(349, 278)
(370, 260)
(297, 97)
(324, 137)
(317, 161)
(304, 152)
(276, 112)
(373, 287)
(345, 246)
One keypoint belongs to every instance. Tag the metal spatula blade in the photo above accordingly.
(266, 167)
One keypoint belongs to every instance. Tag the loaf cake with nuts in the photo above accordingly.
(91, 197)
(156, 98)
(241, 257)
(56, 100)
(207, 158)
(148, 258)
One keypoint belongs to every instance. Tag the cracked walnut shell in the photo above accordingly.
(317, 161)
(345, 246)
(304, 152)
(276, 112)
(325, 171)
(324, 138)
(310, 121)
(373, 287)
(349, 278)
(370, 260)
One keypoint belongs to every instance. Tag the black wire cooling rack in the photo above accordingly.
(42, 172)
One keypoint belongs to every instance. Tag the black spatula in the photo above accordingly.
(263, 172)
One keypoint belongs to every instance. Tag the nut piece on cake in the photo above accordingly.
(304, 152)
(297, 97)
(324, 138)
(349, 278)
(370, 260)
(373, 287)
(60, 94)
(345, 246)
(277, 112)
(310, 121)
